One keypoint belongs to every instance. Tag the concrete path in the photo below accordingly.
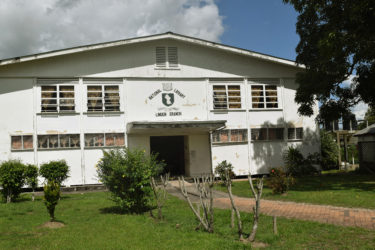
(354, 217)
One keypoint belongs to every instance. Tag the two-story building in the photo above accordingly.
(194, 102)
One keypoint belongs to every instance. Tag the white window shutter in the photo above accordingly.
(160, 55)
(172, 57)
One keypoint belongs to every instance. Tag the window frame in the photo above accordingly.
(264, 84)
(59, 142)
(295, 133)
(22, 143)
(58, 98)
(229, 136)
(227, 96)
(103, 96)
(104, 140)
(267, 134)
(168, 53)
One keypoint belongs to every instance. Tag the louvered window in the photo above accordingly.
(103, 98)
(226, 96)
(161, 59)
(166, 57)
(57, 98)
(264, 96)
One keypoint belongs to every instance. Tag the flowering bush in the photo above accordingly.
(279, 181)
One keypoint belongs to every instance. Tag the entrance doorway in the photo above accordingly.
(171, 150)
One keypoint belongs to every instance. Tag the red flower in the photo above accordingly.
(273, 170)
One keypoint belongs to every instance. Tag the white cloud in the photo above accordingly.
(360, 110)
(348, 82)
(32, 26)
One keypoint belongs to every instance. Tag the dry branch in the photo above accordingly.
(160, 193)
(257, 192)
(204, 185)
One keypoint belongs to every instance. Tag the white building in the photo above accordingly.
(163, 93)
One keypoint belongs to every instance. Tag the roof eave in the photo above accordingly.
(169, 35)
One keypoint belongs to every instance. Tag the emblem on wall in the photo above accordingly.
(167, 99)
(168, 94)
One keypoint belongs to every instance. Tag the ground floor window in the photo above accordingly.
(229, 135)
(58, 141)
(267, 134)
(22, 142)
(104, 140)
(295, 133)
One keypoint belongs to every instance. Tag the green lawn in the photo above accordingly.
(93, 223)
(337, 189)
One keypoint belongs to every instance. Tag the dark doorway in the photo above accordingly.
(171, 150)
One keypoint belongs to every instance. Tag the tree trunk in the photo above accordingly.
(9, 196)
(232, 218)
(33, 195)
(274, 225)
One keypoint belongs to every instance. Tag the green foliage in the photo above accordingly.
(336, 41)
(31, 175)
(127, 174)
(12, 178)
(296, 164)
(329, 150)
(56, 171)
(279, 181)
(51, 197)
(224, 167)
(369, 118)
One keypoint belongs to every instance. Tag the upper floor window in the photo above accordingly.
(226, 96)
(264, 96)
(166, 57)
(22, 142)
(229, 135)
(295, 133)
(103, 98)
(267, 134)
(57, 98)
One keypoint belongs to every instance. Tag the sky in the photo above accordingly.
(33, 26)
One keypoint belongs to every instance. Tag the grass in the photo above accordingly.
(92, 222)
(337, 189)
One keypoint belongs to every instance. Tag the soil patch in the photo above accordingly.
(259, 244)
(53, 224)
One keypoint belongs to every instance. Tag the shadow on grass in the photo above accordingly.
(118, 210)
(342, 181)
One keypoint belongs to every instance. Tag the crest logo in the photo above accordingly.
(167, 99)
(167, 86)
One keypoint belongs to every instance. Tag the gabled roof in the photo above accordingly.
(167, 35)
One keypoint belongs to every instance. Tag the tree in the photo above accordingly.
(12, 178)
(369, 118)
(329, 150)
(31, 174)
(336, 41)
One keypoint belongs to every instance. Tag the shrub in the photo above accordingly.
(31, 175)
(56, 171)
(329, 151)
(296, 164)
(51, 197)
(279, 181)
(222, 168)
(127, 173)
(12, 178)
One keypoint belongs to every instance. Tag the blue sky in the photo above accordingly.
(266, 26)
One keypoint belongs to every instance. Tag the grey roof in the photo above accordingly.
(370, 130)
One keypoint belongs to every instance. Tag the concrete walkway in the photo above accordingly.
(354, 217)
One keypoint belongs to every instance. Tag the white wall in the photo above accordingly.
(134, 69)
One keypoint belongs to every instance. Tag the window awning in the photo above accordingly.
(174, 127)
